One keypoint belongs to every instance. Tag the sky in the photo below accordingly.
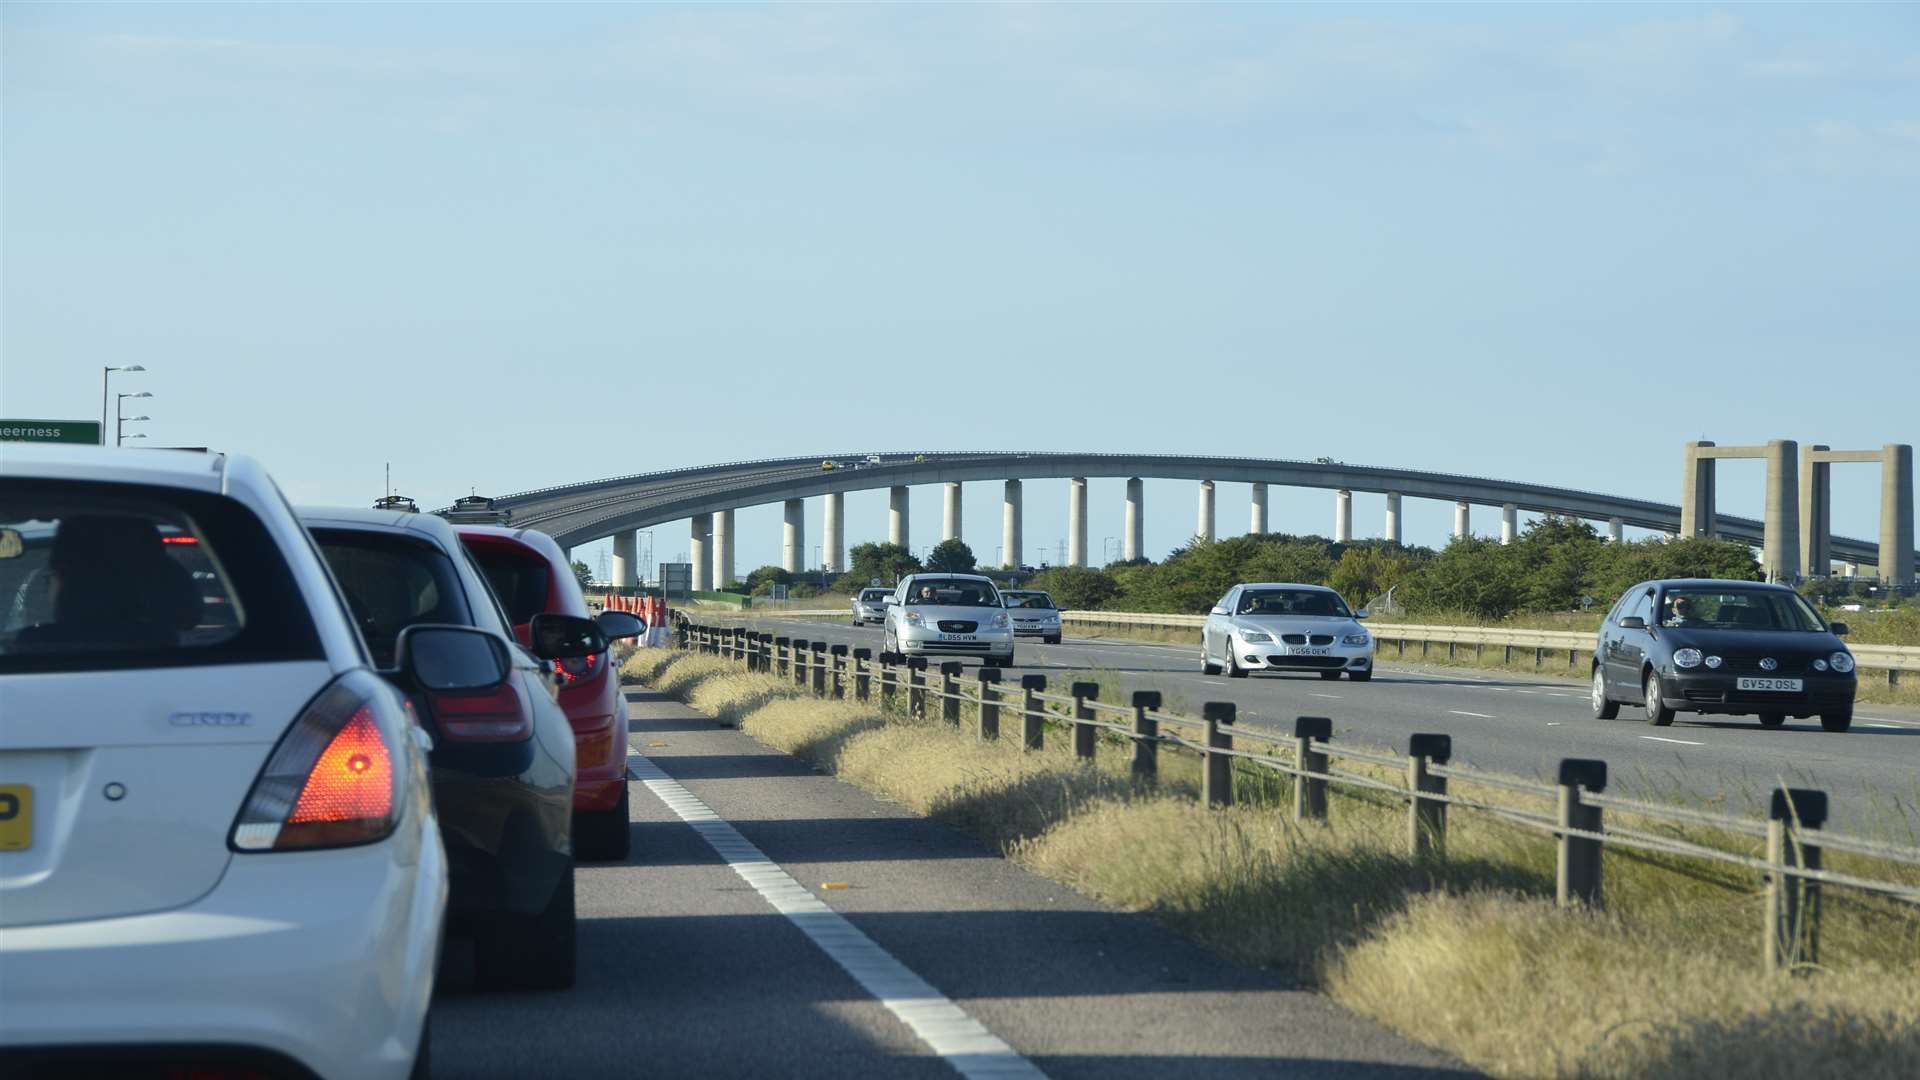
(503, 247)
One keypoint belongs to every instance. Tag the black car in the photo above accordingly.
(1735, 648)
(503, 758)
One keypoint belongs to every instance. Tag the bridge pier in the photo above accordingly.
(1077, 521)
(723, 569)
(833, 531)
(1616, 530)
(1393, 517)
(1696, 491)
(1509, 522)
(1203, 528)
(1816, 511)
(897, 531)
(1343, 516)
(1136, 507)
(699, 531)
(626, 545)
(1462, 519)
(1896, 513)
(950, 517)
(1010, 524)
(793, 549)
(1258, 522)
(1781, 560)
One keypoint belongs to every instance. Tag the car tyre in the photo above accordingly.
(1659, 713)
(604, 835)
(530, 952)
(1836, 721)
(1330, 675)
(1053, 640)
(1772, 719)
(1207, 666)
(1001, 661)
(423, 1054)
(1604, 707)
(1361, 675)
(1234, 670)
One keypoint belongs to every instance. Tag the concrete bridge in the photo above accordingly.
(708, 496)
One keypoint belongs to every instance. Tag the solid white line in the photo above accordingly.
(1463, 712)
(948, 1031)
(1890, 720)
(1681, 742)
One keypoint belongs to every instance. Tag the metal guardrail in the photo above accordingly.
(1572, 811)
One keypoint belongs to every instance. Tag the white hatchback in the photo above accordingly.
(218, 852)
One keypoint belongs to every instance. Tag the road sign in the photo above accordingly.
(86, 432)
(676, 578)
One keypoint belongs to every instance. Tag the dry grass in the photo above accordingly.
(1466, 953)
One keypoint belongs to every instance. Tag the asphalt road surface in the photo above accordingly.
(719, 950)
(1518, 724)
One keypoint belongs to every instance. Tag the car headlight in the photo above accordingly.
(1714, 661)
(1687, 658)
(1354, 639)
(1842, 661)
(914, 619)
(1819, 665)
(1000, 620)
(1254, 635)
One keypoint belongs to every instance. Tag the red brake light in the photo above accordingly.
(496, 715)
(334, 779)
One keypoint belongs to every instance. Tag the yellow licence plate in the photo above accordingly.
(16, 817)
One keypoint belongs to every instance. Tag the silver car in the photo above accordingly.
(1284, 627)
(1034, 614)
(870, 606)
(949, 615)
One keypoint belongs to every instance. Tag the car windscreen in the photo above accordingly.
(873, 596)
(1028, 600)
(101, 576)
(1293, 602)
(1737, 609)
(391, 582)
(522, 582)
(953, 592)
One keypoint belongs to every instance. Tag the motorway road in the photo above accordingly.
(717, 950)
(1517, 724)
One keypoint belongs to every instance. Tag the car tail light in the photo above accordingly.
(499, 714)
(575, 668)
(334, 778)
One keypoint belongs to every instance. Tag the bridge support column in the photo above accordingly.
(1896, 513)
(1462, 519)
(1781, 530)
(1077, 521)
(950, 515)
(1343, 516)
(1203, 526)
(1616, 530)
(1393, 517)
(897, 531)
(793, 547)
(1816, 513)
(834, 533)
(1257, 524)
(626, 545)
(723, 574)
(1010, 511)
(1509, 522)
(1696, 492)
(699, 532)
(1136, 506)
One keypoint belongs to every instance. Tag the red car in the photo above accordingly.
(530, 575)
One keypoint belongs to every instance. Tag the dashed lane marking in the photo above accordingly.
(1680, 742)
(1329, 697)
(947, 1029)
(1480, 715)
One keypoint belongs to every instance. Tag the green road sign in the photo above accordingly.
(61, 431)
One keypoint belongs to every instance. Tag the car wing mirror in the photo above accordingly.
(1633, 622)
(1219, 609)
(1363, 613)
(1837, 628)
(615, 625)
(565, 637)
(443, 658)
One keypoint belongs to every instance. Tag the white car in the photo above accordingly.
(949, 615)
(1285, 627)
(218, 850)
(870, 606)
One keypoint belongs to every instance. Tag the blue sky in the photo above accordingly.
(504, 247)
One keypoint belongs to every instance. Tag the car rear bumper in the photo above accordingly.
(1717, 693)
(601, 763)
(323, 958)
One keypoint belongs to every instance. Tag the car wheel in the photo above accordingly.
(1234, 670)
(1001, 661)
(530, 952)
(603, 835)
(1658, 714)
(1054, 640)
(1772, 719)
(1604, 707)
(1359, 675)
(1207, 666)
(1836, 721)
(423, 1054)
(1330, 675)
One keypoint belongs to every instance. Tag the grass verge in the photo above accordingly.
(1467, 954)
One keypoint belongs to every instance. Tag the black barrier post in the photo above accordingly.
(1217, 782)
(1578, 876)
(1146, 736)
(1310, 792)
(1033, 721)
(989, 704)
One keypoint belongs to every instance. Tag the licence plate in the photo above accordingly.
(1305, 650)
(16, 817)
(958, 637)
(1791, 686)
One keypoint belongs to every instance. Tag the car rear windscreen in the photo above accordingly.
(391, 582)
(522, 583)
(101, 576)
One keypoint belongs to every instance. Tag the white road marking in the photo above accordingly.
(1517, 690)
(948, 1031)
(1681, 742)
(1890, 720)
(1329, 697)
(1463, 712)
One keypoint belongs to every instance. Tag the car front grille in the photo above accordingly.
(1304, 639)
(1750, 665)
(958, 626)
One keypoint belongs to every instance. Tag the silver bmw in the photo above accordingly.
(1285, 627)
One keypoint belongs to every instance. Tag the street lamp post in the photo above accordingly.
(121, 419)
(105, 372)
